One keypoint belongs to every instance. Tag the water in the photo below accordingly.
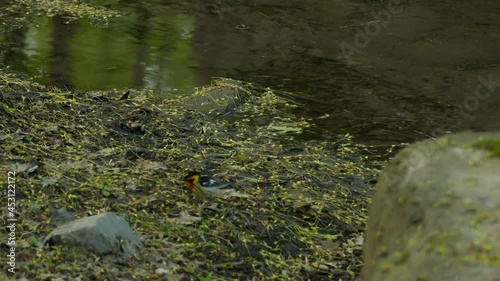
(137, 50)
(408, 82)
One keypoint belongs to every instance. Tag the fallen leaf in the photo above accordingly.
(184, 218)
(153, 166)
(48, 181)
(27, 167)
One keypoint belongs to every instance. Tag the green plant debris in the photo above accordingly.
(491, 145)
(94, 152)
(16, 14)
(285, 129)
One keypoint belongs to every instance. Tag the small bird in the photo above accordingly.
(203, 185)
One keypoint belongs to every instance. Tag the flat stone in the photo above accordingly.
(103, 234)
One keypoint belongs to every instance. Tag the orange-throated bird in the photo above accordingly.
(203, 185)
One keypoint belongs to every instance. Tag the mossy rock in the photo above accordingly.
(435, 212)
(222, 97)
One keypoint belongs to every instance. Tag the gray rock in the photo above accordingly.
(436, 212)
(103, 234)
(61, 216)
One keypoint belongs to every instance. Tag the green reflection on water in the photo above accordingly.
(148, 47)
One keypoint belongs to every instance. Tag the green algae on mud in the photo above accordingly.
(126, 151)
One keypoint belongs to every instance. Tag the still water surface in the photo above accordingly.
(402, 86)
